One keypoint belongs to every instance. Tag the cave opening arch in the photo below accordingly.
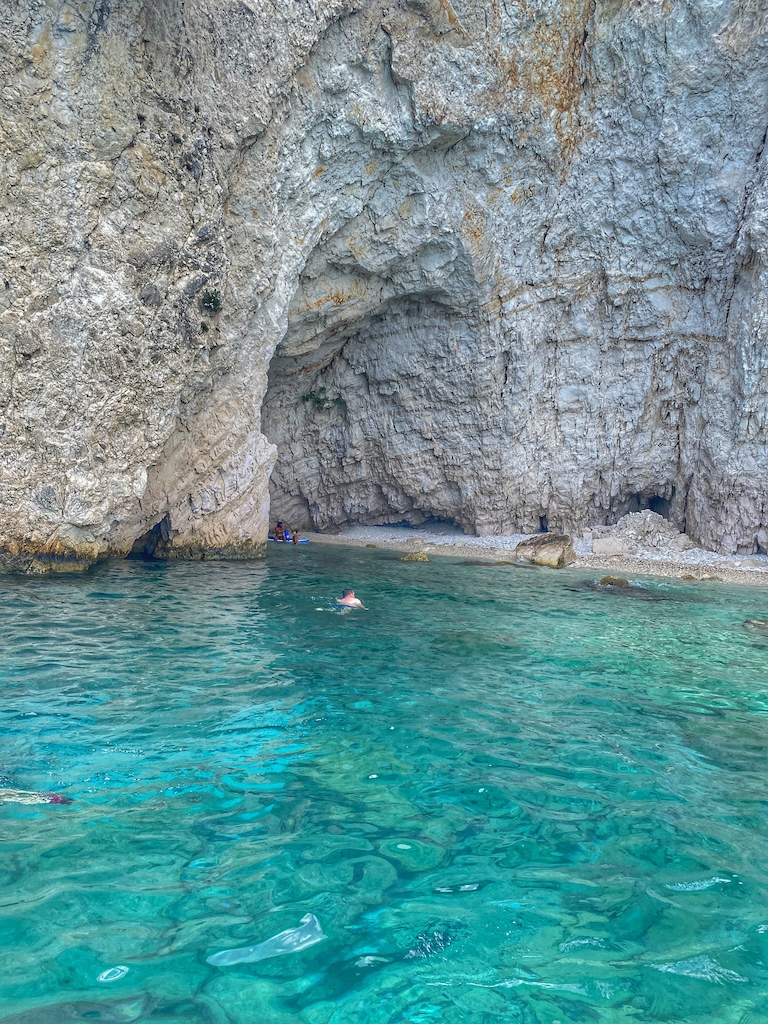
(374, 420)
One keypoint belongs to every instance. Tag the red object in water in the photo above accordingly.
(56, 798)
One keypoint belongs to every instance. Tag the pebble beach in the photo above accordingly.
(695, 564)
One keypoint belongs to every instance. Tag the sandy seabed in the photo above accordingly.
(695, 564)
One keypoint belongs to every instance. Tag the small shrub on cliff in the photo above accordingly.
(320, 399)
(211, 300)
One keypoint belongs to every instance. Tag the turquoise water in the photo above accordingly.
(502, 796)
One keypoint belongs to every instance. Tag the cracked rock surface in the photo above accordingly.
(500, 264)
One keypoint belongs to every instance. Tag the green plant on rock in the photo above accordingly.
(319, 398)
(211, 300)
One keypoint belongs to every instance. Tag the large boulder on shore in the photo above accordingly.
(609, 546)
(554, 550)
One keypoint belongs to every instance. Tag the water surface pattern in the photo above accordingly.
(503, 796)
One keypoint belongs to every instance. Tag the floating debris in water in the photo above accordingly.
(518, 982)
(702, 967)
(113, 973)
(292, 940)
(566, 947)
(707, 883)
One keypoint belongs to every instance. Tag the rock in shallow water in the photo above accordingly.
(614, 581)
(756, 625)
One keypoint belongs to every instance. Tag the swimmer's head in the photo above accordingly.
(348, 593)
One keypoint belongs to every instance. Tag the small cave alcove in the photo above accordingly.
(663, 499)
(657, 503)
(423, 519)
(151, 546)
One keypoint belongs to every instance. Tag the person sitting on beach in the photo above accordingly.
(348, 600)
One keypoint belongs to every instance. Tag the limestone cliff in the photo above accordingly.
(500, 263)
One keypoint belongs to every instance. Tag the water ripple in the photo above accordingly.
(502, 794)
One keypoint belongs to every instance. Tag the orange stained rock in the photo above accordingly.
(544, 72)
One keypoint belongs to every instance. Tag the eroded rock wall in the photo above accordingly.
(515, 254)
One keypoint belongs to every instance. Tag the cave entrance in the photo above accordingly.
(365, 420)
(657, 503)
(151, 546)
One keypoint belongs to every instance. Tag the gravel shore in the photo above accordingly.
(695, 564)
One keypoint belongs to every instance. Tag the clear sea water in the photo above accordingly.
(505, 797)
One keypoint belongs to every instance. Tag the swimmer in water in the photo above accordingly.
(23, 796)
(348, 600)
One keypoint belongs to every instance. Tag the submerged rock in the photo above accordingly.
(484, 563)
(756, 625)
(614, 581)
(102, 1011)
(629, 592)
(554, 550)
(414, 556)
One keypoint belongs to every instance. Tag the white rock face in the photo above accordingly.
(515, 254)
